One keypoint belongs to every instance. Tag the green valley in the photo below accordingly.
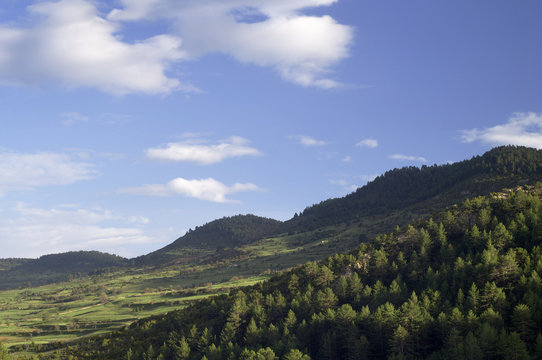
(69, 299)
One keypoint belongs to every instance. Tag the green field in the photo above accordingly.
(95, 304)
(91, 305)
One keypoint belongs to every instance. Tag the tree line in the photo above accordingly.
(463, 284)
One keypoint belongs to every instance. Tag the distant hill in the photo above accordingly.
(6, 264)
(447, 184)
(227, 232)
(56, 267)
(394, 198)
(462, 284)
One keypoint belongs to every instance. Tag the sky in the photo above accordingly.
(125, 123)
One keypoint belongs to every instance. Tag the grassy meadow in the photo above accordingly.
(91, 305)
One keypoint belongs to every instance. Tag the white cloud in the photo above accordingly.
(194, 150)
(521, 129)
(36, 231)
(28, 171)
(203, 189)
(370, 143)
(352, 183)
(347, 159)
(408, 157)
(79, 47)
(300, 48)
(71, 118)
(69, 43)
(308, 141)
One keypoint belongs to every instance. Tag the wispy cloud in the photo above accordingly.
(352, 183)
(36, 231)
(195, 150)
(70, 118)
(27, 171)
(370, 143)
(521, 129)
(308, 141)
(347, 159)
(408, 158)
(207, 189)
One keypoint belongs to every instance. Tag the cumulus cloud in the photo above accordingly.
(77, 46)
(270, 33)
(35, 231)
(195, 150)
(27, 171)
(71, 44)
(370, 143)
(207, 189)
(408, 157)
(308, 141)
(521, 129)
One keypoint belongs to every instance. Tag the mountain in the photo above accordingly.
(394, 198)
(56, 267)
(464, 283)
(443, 185)
(227, 232)
(242, 250)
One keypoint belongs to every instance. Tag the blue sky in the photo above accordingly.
(125, 123)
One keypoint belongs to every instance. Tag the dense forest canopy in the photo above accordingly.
(399, 188)
(218, 234)
(463, 284)
(55, 267)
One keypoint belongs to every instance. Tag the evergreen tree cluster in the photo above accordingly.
(230, 231)
(226, 232)
(398, 188)
(463, 284)
(56, 267)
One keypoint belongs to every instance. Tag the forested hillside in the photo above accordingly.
(226, 232)
(504, 166)
(394, 197)
(55, 267)
(463, 284)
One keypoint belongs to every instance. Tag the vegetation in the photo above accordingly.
(504, 166)
(301, 314)
(227, 232)
(55, 267)
(463, 284)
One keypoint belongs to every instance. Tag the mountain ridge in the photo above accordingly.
(463, 283)
(403, 194)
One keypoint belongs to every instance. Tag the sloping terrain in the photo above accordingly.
(394, 198)
(227, 232)
(57, 267)
(447, 184)
(231, 252)
(463, 284)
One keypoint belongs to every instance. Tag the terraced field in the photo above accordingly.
(95, 304)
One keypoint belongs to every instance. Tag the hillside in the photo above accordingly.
(437, 185)
(56, 267)
(394, 198)
(227, 232)
(228, 253)
(462, 284)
